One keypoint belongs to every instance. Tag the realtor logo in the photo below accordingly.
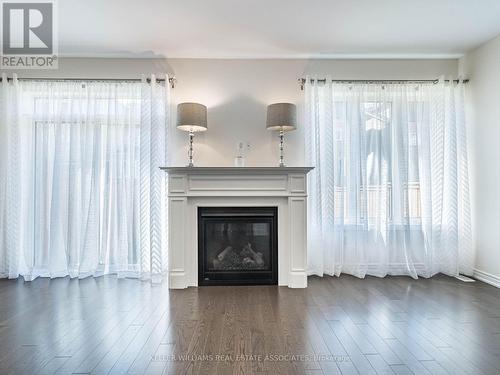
(28, 35)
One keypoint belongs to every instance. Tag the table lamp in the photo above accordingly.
(281, 117)
(191, 117)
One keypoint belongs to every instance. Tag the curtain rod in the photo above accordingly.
(171, 80)
(302, 81)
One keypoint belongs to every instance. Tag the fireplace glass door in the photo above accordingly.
(237, 245)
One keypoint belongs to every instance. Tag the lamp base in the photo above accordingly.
(282, 147)
(190, 150)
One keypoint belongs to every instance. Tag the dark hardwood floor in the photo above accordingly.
(336, 326)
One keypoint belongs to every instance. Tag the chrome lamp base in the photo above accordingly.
(190, 150)
(282, 147)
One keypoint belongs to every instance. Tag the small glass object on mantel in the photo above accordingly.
(239, 160)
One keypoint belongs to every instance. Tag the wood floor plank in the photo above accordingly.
(357, 358)
(380, 345)
(379, 364)
(145, 355)
(332, 342)
(402, 370)
(407, 357)
(435, 368)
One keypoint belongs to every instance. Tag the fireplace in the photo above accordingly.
(237, 245)
(190, 188)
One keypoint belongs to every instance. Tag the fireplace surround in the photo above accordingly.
(283, 189)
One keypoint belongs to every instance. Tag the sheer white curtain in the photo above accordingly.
(80, 179)
(389, 194)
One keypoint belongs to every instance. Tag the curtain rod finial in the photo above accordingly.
(172, 81)
(302, 82)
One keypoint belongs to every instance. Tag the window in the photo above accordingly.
(371, 187)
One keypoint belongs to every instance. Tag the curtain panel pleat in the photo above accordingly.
(389, 194)
(80, 185)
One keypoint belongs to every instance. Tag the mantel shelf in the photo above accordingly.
(236, 170)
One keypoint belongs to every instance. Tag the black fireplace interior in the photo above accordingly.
(237, 245)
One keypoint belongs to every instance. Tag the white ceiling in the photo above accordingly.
(275, 28)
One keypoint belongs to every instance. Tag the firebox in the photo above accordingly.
(237, 245)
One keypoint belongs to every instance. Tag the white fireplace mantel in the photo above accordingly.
(193, 187)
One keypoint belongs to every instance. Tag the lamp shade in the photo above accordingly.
(281, 116)
(192, 117)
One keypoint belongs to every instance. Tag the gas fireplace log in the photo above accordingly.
(217, 264)
(257, 256)
(248, 260)
(224, 252)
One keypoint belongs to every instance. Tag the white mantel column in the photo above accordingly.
(297, 211)
(178, 229)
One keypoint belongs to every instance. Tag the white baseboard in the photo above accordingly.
(486, 277)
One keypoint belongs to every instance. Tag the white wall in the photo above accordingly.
(483, 69)
(237, 93)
